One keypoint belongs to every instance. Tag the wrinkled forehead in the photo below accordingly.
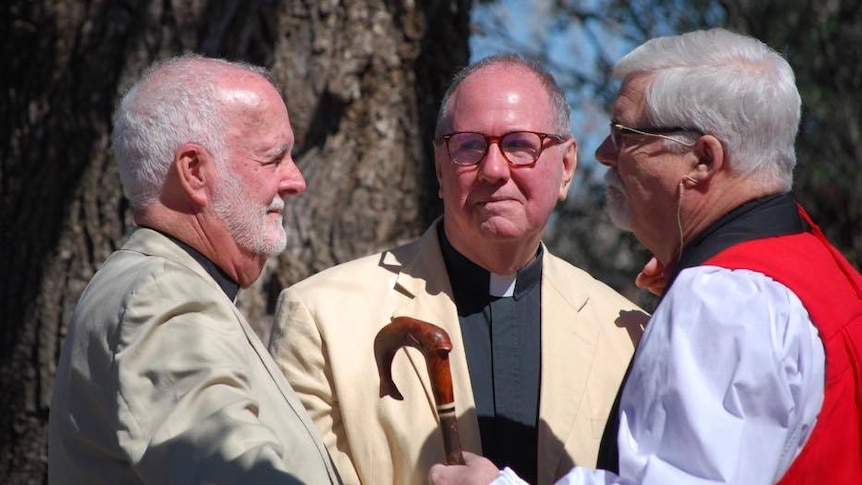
(630, 103)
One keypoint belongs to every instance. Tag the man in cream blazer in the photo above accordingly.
(325, 325)
(324, 342)
(161, 380)
(161, 373)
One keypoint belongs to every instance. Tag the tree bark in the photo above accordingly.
(362, 79)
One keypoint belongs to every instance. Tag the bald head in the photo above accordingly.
(558, 108)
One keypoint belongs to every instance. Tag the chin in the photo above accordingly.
(271, 243)
(502, 230)
(274, 250)
(620, 216)
(276, 244)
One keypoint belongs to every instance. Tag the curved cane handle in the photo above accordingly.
(435, 345)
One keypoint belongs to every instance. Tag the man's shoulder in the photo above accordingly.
(360, 271)
(130, 278)
(563, 267)
(580, 287)
(565, 273)
(136, 291)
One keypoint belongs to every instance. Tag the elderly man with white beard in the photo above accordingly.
(161, 379)
(749, 370)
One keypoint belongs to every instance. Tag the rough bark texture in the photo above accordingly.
(362, 79)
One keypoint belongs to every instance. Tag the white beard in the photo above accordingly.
(250, 225)
(616, 203)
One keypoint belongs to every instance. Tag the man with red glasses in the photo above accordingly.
(750, 371)
(531, 334)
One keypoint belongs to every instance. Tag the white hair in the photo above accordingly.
(175, 102)
(728, 85)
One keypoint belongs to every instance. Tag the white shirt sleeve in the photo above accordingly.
(576, 476)
(725, 387)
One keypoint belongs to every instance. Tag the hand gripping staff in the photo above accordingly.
(435, 345)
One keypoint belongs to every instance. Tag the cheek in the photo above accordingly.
(544, 186)
(635, 180)
(648, 192)
(636, 193)
(455, 185)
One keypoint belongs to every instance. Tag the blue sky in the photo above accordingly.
(530, 29)
(537, 28)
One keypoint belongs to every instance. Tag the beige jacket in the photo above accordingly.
(162, 381)
(323, 340)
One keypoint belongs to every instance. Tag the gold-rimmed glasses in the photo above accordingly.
(618, 131)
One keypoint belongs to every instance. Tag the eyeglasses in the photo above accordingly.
(519, 148)
(618, 130)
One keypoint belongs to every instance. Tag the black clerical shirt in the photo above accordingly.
(500, 320)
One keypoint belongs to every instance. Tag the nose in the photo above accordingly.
(494, 167)
(606, 154)
(292, 182)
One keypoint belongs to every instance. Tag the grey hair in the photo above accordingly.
(728, 85)
(176, 101)
(559, 105)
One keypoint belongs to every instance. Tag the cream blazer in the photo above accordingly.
(162, 381)
(323, 341)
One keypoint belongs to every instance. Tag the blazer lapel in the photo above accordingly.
(424, 280)
(568, 349)
(152, 242)
(286, 391)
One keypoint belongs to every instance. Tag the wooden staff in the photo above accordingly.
(435, 345)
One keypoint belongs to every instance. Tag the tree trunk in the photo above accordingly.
(362, 79)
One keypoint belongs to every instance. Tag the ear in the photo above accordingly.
(711, 159)
(196, 172)
(570, 163)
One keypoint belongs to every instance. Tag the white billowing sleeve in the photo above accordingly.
(577, 475)
(725, 387)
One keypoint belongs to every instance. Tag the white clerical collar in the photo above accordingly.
(502, 285)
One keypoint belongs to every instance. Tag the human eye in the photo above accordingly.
(521, 141)
(275, 159)
(468, 142)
